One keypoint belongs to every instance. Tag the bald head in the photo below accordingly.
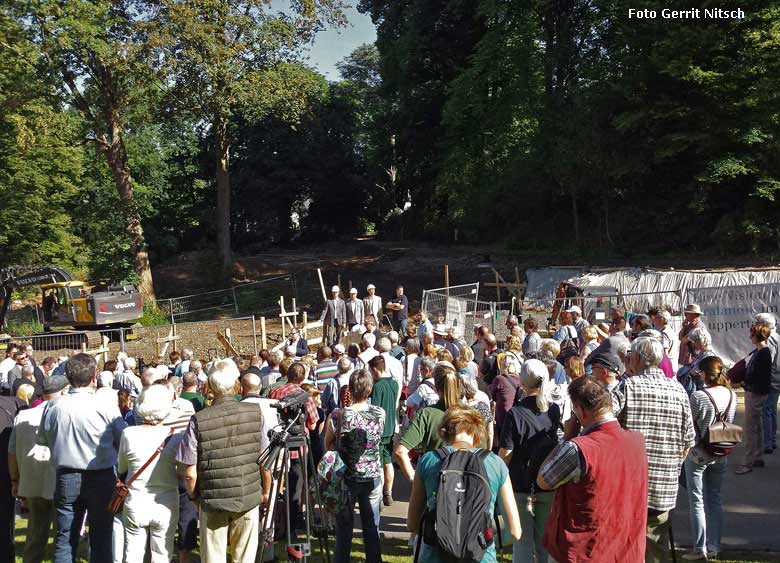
(491, 342)
(250, 384)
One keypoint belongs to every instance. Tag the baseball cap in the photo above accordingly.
(353, 290)
(605, 359)
(339, 349)
(54, 384)
(335, 288)
(574, 309)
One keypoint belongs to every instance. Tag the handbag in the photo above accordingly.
(736, 374)
(721, 436)
(121, 488)
(329, 483)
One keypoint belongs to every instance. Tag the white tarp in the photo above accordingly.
(728, 313)
(542, 282)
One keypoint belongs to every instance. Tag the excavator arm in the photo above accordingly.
(14, 277)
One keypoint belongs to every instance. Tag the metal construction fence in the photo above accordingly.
(149, 342)
(459, 307)
(255, 298)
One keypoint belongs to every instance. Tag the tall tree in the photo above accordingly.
(90, 50)
(227, 56)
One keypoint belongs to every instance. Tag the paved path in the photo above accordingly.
(751, 502)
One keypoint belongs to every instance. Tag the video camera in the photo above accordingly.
(291, 406)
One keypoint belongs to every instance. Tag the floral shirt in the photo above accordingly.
(358, 437)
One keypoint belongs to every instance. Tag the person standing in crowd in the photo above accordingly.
(590, 341)
(566, 330)
(692, 314)
(659, 409)
(605, 367)
(423, 432)
(127, 379)
(355, 310)
(396, 350)
(83, 436)
(190, 392)
(505, 387)
(689, 376)
(399, 305)
(372, 303)
(219, 453)
(703, 471)
(326, 374)
(532, 342)
(757, 384)
(478, 346)
(661, 319)
(184, 365)
(462, 428)
(356, 432)
(528, 435)
(32, 474)
(770, 407)
(334, 316)
(423, 323)
(151, 509)
(425, 395)
(577, 320)
(9, 407)
(7, 365)
(600, 507)
(471, 396)
(296, 374)
(385, 396)
(488, 367)
(412, 365)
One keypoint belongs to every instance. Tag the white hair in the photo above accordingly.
(344, 365)
(621, 346)
(154, 403)
(701, 336)
(106, 379)
(223, 379)
(534, 375)
(510, 364)
(130, 364)
(665, 315)
(384, 344)
(28, 372)
(649, 350)
(196, 364)
(275, 357)
(393, 336)
(767, 318)
(186, 354)
(370, 339)
(149, 376)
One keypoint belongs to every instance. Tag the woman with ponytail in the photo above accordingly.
(704, 472)
(528, 435)
(423, 433)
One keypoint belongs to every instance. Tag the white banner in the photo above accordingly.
(728, 313)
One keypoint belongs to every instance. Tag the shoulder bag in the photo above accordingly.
(721, 436)
(121, 488)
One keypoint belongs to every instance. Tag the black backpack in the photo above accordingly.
(460, 527)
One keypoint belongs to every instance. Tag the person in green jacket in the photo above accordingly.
(385, 395)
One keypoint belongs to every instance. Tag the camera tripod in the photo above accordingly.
(276, 458)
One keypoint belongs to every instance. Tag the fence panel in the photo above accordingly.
(454, 306)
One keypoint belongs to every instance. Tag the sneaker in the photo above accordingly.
(759, 463)
(694, 555)
(387, 498)
(712, 555)
(743, 469)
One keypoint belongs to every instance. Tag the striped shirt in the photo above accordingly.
(658, 408)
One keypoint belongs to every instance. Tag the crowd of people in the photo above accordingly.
(580, 439)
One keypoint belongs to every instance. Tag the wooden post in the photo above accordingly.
(305, 322)
(322, 285)
(338, 283)
(295, 313)
(263, 337)
(281, 306)
(447, 280)
(498, 288)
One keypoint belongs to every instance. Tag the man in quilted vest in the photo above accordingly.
(219, 451)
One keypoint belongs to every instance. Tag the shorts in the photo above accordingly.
(386, 450)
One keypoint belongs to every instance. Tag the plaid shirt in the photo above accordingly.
(311, 409)
(658, 408)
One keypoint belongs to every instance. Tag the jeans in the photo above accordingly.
(754, 427)
(706, 508)
(39, 524)
(367, 494)
(770, 420)
(532, 523)
(77, 491)
(187, 527)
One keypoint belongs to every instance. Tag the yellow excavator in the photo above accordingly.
(69, 303)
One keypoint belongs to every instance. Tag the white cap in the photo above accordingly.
(370, 286)
(335, 289)
(353, 290)
(339, 349)
(574, 309)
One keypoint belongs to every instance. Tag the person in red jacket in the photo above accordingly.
(600, 507)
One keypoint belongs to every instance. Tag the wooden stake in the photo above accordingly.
(281, 306)
(322, 285)
(338, 282)
(263, 337)
(305, 322)
(498, 289)
(447, 280)
(295, 313)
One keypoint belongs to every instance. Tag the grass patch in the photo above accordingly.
(23, 328)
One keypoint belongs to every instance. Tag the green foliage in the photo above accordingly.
(154, 316)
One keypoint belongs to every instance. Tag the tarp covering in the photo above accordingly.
(542, 282)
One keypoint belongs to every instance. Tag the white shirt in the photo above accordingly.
(158, 483)
(424, 396)
(5, 366)
(37, 475)
(270, 417)
(412, 372)
(367, 355)
(671, 344)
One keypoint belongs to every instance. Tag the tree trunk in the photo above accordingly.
(222, 148)
(116, 155)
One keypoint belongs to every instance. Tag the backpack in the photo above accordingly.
(460, 526)
(721, 436)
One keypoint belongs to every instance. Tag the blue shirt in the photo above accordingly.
(81, 431)
(428, 471)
